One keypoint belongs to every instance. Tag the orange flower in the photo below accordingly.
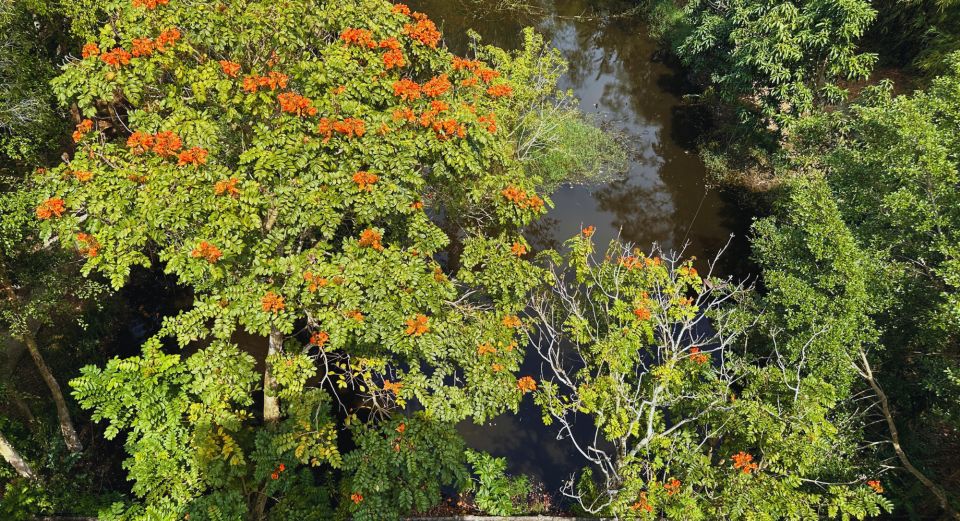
(319, 338)
(630, 262)
(53, 207)
(371, 238)
(83, 175)
(672, 486)
(394, 59)
(230, 68)
(350, 127)
(90, 247)
(490, 120)
(402, 428)
(744, 462)
(527, 384)
(354, 314)
(642, 313)
(272, 302)
(501, 90)
(208, 252)
(401, 9)
(486, 349)
(316, 281)
(463, 63)
(149, 4)
(642, 504)
(83, 128)
(417, 325)
(274, 476)
(437, 86)
(514, 194)
(356, 497)
(393, 387)
(362, 37)
(142, 47)
(406, 89)
(448, 128)
(139, 142)
(195, 156)
(273, 80)
(250, 84)
(89, 50)
(698, 357)
(365, 180)
(282, 467)
(518, 249)
(167, 38)
(588, 231)
(876, 486)
(116, 57)
(511, 321)
(497, 367)
(487, 75)
(469, 82)
(166, 143)
(228, 186)
(296, 104)
(423, 31)
(439, 106)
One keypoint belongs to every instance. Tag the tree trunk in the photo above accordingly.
(14, 458)
(935, 489)
(66, 423)
(271, 404)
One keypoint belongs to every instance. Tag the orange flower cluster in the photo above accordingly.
(526, 384)
(89, 50)
(418, 325)
(437, 86)
(365, 180)
(316, 281)
(116, 57)
(230, 68)
(227, 186)
(361, 37)
(876, 486)
(272, 302)
(642, 313)
(501, 90)
(394, 59)
(89, 245)
(630, 262)
(744, 462)
(520, 198)
(296, 104)
(588, 231)
(642, 504)
(53, 207)
(83, 128)
(356, 497)
(490, 120)
(319, 338)
(195, 156)
(162, 143)
(401, 9)
(446, 128)
(393, 387)
(207, 252)
(518, 249)
(423, 31)
(149, 4)
(672, 486)
(166, 39)
(83, 175)
(354, 314)
(406, 89)
(512, 321)
(497, 367)
(478, 68)
(698, 357)
(275, 475)
(486, 349)
(350, 127)
(371, 238)
(142, 47)
(272, 81)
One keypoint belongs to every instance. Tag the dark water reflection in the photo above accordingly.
(663, 197)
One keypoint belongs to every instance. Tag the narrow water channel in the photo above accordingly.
(662, 198)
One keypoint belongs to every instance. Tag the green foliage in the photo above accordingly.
(496, 493)
(686, 425)
(400, 466)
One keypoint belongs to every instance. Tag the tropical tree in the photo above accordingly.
(687, 422)
(326, 175)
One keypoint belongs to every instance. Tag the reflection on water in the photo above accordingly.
(663, 197)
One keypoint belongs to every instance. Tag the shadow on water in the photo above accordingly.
(616, 72)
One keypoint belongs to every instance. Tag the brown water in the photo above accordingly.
(662, 198)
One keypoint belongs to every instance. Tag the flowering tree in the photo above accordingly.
(304, 168)
(684, 424)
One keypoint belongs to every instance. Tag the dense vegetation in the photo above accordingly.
(326, 180)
